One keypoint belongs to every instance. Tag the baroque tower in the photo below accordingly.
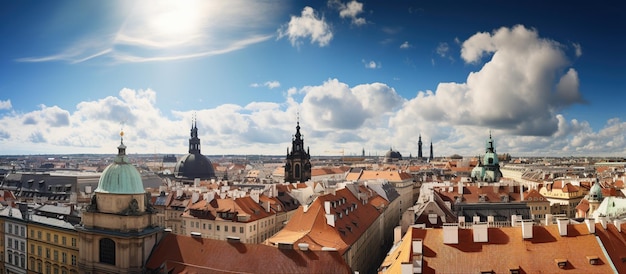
(298, 162)
(119, 228)
(431, 152)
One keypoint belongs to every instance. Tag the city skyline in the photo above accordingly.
(544, 78)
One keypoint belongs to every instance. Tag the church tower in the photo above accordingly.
(419, 147)
(118, 229)
(431, 152)
(298, 162)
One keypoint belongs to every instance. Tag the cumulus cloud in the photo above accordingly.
(349, 10)
(405, 45)
(518, 90)
(307, 25)
(5, 104)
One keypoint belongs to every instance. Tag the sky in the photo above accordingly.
(544, 78)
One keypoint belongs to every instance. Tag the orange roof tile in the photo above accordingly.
(507, 249)
(183, 254)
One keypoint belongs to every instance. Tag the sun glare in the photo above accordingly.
(176, 19)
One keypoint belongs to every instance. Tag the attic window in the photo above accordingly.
(561, 263)
(486, 272)
(514, 270)
(355, 223)
(593, 260)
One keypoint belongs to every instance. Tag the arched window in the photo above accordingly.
(107, 251)
(297, 171)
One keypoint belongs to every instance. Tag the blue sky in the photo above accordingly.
(545, 78)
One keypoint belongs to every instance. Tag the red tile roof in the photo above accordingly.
(614, 243)
(184, 254)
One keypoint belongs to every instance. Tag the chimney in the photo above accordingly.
(562, 223)
(303, 246)
(548, 219)
(461, 220)
(521, 192)
(397, 234)
(460, 187)
(418, 247)
(603, 221)
(527, 229)
(480, 233)
(327, 207)
(591, 225)
(618, 224)
(490, 220)
(476, 219)
(450, 233)
(513, 220)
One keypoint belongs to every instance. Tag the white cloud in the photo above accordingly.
(272, 84)
(268, 84)
(578, 49)
(5, 104)
(405, 45)
(371, 64)
(350, 10)
(308, 25)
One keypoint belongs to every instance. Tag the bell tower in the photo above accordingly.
(298, 161)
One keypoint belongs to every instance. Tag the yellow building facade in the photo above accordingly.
(52, 246)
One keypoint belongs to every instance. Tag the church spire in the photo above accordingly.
(419, 147)
(194, 141)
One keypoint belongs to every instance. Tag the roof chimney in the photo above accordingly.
(480, 233)
(460, 187)
(618, 224)
(603, 221)
(591, 225)
(417, 255)
(549, 219)
(562, 223)
(303, 246)
(527, 229)
(450, 233)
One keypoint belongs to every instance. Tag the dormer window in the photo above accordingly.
(593, 260)
(561, 263)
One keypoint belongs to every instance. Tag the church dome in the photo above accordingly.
(595, 193)
(194, 166)
(120, 177)
(392, 155)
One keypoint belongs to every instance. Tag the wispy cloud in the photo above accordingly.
(405, 45)
(155, 31)
(371, 64)
(578, 49)
(268, 84)
(443, 49)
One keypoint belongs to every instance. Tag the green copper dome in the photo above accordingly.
(120, 177)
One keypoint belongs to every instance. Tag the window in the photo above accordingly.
(203, 226)
(56, 255)
(217, 227)
(10, 229)
(38, 234)
(107, 251)
(64, 257)
(241, 229)
(73, 241)
(225, 228)
(64, 240)
(10, 243)
(48, 237)
(73, 259)
(209, 226)
(56, 238)
(47, 253)
(22, 246)
(23, 231)
(32, 248)
(32, 233)
(39, 252)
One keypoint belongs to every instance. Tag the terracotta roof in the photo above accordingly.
(183, 254)
(583, 206)
(311, 226)
(568, 188)
(614, 243)
(534, 195)
(506, 250)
